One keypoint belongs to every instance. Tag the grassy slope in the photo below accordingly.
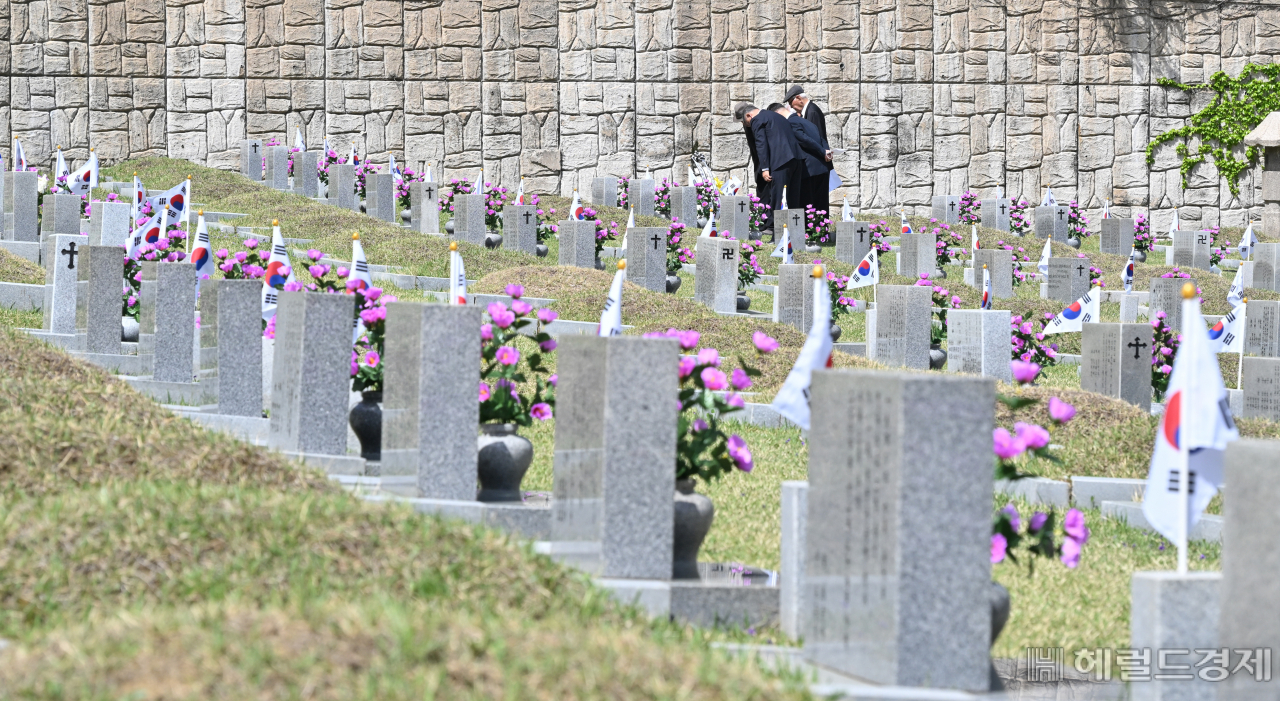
(14, 268)
(162, 535)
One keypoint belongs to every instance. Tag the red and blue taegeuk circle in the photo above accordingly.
(864, 268)
(1216, 332)
(1172, 425)
(274, 277)
(1072, 312)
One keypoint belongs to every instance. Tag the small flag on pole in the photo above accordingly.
(1076, 314)
(906, 227)
(1048, 198)
(611, 317)
(85, 178)
(60, 169)
(1227, 335)
(846, 212)
(1247, 241)
(1106, 209)
(1043, 265)
(784, 197)
(363, 281)
(866, 273)
(1176, 224)
(986, 288)
(1127, 275)
(520, 192)
(201, 255)
(1235, 295)
(298, 143)
(792, 401)
(19, 156)
(576, 209)
(783, 249)
(457, 276)
(279, 272)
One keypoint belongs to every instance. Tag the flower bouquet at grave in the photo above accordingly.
(970, 208)
(268, 143)
(945, 240)
(940, 304)
(662, 198)
(1030, 441)
(817, 226)
(624, 194)
(1142, 239)
(758, 211)
(133, 280)
(1027, 344)
(546, 221)
(603, 233)
(1019, 258)
(363, 171)
(1217, 249)
(708, 199)
(453, 189)
(328, 158)
(248, 264)
(1020, 223)
(366, 357)
(403, 195)
(292, 150)
(879, 231)
(677, 254)
(836, 285)
(515, 388)
(495, 198)
(1164, 349)
(749, 270)
(1077, 222)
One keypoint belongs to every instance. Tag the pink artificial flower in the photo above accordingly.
(1025, 372)
(372, 358)
(222, 253)
(241, 256)
(553, 380)
(548, 345)
(740, 453)
(713, 379)
(342, 271)
(1073, 525)
(1060, 411)
(999, 547)
(740, 379)
(735, 400)
(709, 356)
(540, 411)
(687, 364)
(515, 291)
(507, 355)
(1033, 436)
(373, 293)
(763, 342)
(484, 392)
(688, 339)
(251, 243)
(547, 316)
(486, 332)
(294, 286)
(700, 425)
(317, 271)
(520, 307)
(313, 254)
(1006, 446)
(1071, 552)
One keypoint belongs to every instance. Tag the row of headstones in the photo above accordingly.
(22, 221)
(891, 582)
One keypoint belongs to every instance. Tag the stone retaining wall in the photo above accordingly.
(927, 96)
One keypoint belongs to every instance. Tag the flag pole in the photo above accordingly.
(1188, 309)
(1240, 365)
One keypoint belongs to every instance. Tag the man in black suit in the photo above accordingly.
(812, 178)
(777, 154)
(800, 102)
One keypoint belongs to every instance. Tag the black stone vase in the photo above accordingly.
(694, 513)
(366, 422)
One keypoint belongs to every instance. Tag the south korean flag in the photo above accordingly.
(986, 288)
(867, 273)
(1076, 315)
(1226, 335)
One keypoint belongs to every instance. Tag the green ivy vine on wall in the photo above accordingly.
(1240, 105)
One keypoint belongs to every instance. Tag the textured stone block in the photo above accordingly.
(734, 217)
(380, 200)
(1260, 380)
(640, 194)
(1173, 615)
(468, 219)
(946, 208)
(647, 258)
(251, 159)
(684, 205)
(1115, 360)
(63, 257)
(61, 214)
(917, 254)
(109, 223)
(1068, 278)
(794, 220)
(277, 174)
(22, 201)
(306, 179)
(175, 322)
(311, 373)
(795, 296)
(342, 187)
(239, 328)
(995, 213)
(897, 579)
(425, 197)
(979, 342)
(853, 241)
(795, 512)
(1262, 328)
(1000, 263)
(641, 390)
(430, 412)
(898, 329)
(1166, 296)
(1051, 221)
(604, 191)
(1191, 249)
(105, 266)
(578, 464)
(578, 243)
(520, 228)
(1117, 236)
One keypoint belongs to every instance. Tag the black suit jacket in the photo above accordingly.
(776, 144)
(818, 118)
(812, 149)
(755, 159)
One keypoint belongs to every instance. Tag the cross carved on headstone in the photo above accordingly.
(255, 146)
(953, 206)
(1060, 213)
(1002, 208)
(527, 214)
(795, 220)
(1137, 346)
(742, 206)
(657, 239)
(1080, 270)
(70, 252)
(430, 190)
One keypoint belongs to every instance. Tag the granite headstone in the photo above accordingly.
(1068, 279)
(734, 217)
(342, 186)
(311, 373)
(647, 258)
(640, 194)
(1000, 264)
(604, 191)
(1262, 328)
(63, 256)
(1260, 380)
(853, 241)
(946, 209)
(995, 213)
(795, 296)
(425, 197)
(109, 223)
(306, 178)
(1166, 296)
(1115, 360)
(978, 342)
(239, 347)
(469, 219)
(1117, 236)
(899, 328)
(578, 243)
(520, 228)
(684, 205)
(103, 300)
(175, 322)
(1051, 221)
(578, 463)
(1191, 249)
(251, 159)
(277, 175)
(25, 205)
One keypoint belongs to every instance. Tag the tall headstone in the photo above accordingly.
(734, 217)
(25, 207)
(1266, 265)
(306, 177)
(684, 205)
(109, 224)
(641, 390)
(1068, 278)
(578, 464)
(1191, 249)
(1115, 360)
(1262, 328)
(251, 159)
(277, 175)
(1174, 615)
(468, 219)
(207, 304)
(1051, 222)
(175, 322)
(978, 342)
(61, 214)
(1249, 619)
(640, 194)
(897, 579)
(1128, 308)
(795, 511)
(946, 208)
(853, 241)
(604, 191)
(1117, 236)
(311, 373)
(520, 228)
(578, 243)
(647, 258)
(1260, 380)
(794, 219)
(795, 296)
(726, 257)
(146, 307)
(999, 263)
(1166, 296)
(995, 213)
(429, 409)
(899, 328)
(342, 186)
(384, 197)
(239, 346)
(103, 300)
(917, 254)
(63, 256)
(425, 197)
